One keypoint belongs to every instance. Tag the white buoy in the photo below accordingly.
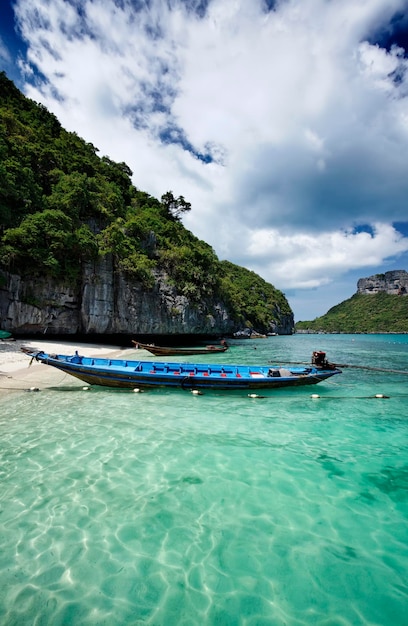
(196, 392)
(137, 390)
(85, 388)
(315, 395)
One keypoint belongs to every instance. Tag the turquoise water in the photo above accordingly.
(165, 508)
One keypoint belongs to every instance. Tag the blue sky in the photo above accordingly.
(284, 124)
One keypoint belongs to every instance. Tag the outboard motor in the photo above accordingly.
(319, 359)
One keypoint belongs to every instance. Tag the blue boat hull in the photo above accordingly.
(130, 374)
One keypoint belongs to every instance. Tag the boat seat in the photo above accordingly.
(285, 373)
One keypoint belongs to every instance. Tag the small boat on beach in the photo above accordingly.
(131, 374)
(170, 351)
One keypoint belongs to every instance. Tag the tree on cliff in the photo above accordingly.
(175, 206)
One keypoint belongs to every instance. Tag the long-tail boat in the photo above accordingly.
(132, 374)
(170, 351)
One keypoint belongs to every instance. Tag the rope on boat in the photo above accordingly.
(373, 369)
(184, 381)
(344, 365)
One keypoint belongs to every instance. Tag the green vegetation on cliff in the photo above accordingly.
(363, 313)
(62, 205)
(246, 291)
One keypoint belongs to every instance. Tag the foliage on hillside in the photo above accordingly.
(61, 205)
(247, 292)
(371, 313)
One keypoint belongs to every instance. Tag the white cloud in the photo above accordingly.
(297, 261)
(306, 121)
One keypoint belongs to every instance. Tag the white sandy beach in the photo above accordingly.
(18, 371)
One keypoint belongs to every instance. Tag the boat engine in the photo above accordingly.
(319, 360)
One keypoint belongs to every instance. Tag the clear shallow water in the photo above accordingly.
(165, 508)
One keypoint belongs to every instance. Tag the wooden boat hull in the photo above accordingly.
(126, 374)
(168, 351)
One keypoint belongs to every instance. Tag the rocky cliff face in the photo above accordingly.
(395, 282)
(107, 303)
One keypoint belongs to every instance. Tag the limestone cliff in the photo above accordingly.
(106, 302)
(395, 282)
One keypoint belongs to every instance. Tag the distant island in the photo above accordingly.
(380, 305)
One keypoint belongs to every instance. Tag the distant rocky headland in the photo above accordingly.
(378, 306)
(395, 283)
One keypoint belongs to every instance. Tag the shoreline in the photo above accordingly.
(18, 372)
